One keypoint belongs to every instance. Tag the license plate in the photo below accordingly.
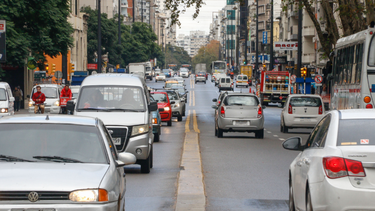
(116, 141)
(305, 117)
(241, 123)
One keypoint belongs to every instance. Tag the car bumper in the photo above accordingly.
(58, 207)
(160, 79)
(184, 75)
(47, 109)
(156, 129)
(177, 111)
(228, 124)
(165, 117)
(200, 79)
(226, 88)
(6, 114)
(242, 84)
(142, 142)
(297, 122)
(340, 195)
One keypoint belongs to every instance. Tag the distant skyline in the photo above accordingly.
(202, 22)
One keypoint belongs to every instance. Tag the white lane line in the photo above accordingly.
(275, 136)
(281, 139)
(268, 131)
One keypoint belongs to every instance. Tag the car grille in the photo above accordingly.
(121, 132)
(23, 195)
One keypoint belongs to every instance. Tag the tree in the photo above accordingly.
(177, 55)
(207, 54)
(36, 27)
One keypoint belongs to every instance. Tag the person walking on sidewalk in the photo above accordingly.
(17, 99)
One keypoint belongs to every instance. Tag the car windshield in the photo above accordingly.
(49, 92)
(176, 86)
(109, 98)
(361, 137)
(51, 142)
(241, 100)
(169, 85)
(305, 102)
(172, 95)
(166, 71)
(160, 98)
(3, 95)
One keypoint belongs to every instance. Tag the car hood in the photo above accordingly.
(117, 118)
(162, 105)
(40, 176)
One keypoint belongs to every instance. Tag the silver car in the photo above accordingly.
(60, 163)
(335, 169)
(239, 112)
(200, 77)
(179, 106)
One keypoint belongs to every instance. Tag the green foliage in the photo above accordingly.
(207, 54)
(177, 55)
(39, 27)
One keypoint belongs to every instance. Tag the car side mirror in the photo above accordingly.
(173, 102)
(125, 158)
(264, 107)
(153, 106)
(70, 105)
(214, 107)
(214, 100)
(11, 99)
(161, 109)
(293, 143)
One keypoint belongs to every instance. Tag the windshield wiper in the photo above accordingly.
(11, 158)
(57, 159)
(92, 109)
(123, 109)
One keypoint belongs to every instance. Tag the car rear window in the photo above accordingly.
(245, 78)
(222, 80)
(239, 77)
(228, 80)
(241, 100)
(363, 135)
(305, 102)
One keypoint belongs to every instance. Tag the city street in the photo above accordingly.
(240, 172)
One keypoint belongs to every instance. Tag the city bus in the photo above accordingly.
(353, 76)
(219, 67)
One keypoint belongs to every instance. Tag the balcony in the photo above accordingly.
(308, 31)
(308, 58)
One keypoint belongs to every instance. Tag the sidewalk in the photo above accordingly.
(22, 111)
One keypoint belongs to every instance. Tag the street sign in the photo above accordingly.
(285, 46)
(92, 66)
(265, 36)
(293, 79)
(318, 79)
(2, 26)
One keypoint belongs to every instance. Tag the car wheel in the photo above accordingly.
(259, 134)
(308, 201)
(205, 82)
(291, 198)
(285, 128)
(220, 133)
(179, 118)
(156, 81)
(184, 112)
(195, 82)
(215, 130)
(219, 90)
(281, 127)
(146, 165)
(169, 123)
(156, 137)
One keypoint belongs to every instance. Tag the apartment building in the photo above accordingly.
(197, 40)
(107, 6)
(183, 41)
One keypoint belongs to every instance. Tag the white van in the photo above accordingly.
(242, 80)
(225, 83)
(122, 102)
(6, 100)
(52, 93)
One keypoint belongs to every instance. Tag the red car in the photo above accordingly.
(163, 102)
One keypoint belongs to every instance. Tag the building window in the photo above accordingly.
(230, 29)
(230, 2)
(231, 15)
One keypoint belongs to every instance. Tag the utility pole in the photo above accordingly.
(133, 12)
(271, 43)
(99, 38)
(299, 54)
(256, 41)
(246, 31)
(119, 22)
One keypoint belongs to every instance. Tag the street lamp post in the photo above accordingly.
(256, 40)
(99, 38)
(119, 22)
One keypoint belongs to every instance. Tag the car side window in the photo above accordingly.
(112, 147)
(320, 138)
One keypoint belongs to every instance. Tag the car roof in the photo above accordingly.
(304, 95)
(3, 84)
(356, 114)
(157, 92)
(239, 93)
(50, 119)
(112, 79)
(47, 85)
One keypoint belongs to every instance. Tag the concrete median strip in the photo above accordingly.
(190, 190)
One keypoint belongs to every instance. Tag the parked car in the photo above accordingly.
(52, 93)
(159, 77)
(239, 112)
(200, 77)
(242, 80)
(122, 101)
(156, 122)
(225, 83)
(163, 103)
(178, 105)
(6, 100)
(71, 164)
(301, 111)
(334, 169)
(75, 91)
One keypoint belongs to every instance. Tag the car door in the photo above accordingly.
(310, 160)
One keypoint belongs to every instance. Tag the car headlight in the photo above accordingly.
(166, 109)
(4, 110)
(140, 129)
(56, 103)
(89, 195)
(31, 103)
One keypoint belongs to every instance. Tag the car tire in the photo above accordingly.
(284, 128)
(219, 90)
(184, 112)
(309, 206)
(205, 82)
(195, 82)
(156, 81)
(215, 130)
(220, 133)
(156, 137)
(152, 157)
(146, 164)
(260, 134)
(169, 123)
(179, 118)
(291, 198)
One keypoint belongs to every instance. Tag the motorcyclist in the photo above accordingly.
(39, 98)
(66, 95)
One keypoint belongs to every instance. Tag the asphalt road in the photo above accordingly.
(240, 171)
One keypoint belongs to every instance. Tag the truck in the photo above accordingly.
(274, 87)
(247, 70)
(199, 68)
(138, 69)
(148, 73)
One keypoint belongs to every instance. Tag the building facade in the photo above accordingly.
(197, 40)
(183, 41)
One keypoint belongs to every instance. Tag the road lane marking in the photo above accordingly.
(187, 124)
(193, 98)
(275, 136)
(191, 93)
(281, 139)
(268, 131)
(195, 122)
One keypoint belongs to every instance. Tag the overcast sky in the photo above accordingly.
(202, 22)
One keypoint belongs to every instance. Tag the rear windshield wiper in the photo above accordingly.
(57, 159)
(237, 104)
(11, 158)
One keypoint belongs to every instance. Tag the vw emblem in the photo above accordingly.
(33, 196)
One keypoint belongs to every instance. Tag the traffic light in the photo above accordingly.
(244, 62)
(53, 68)
(46, 67)
(71, 68)
(303, 72)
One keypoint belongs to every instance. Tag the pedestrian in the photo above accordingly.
(17, 94)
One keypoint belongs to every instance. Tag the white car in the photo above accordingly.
(159, 77)
(225, 83)
(335, 169)
(52, 93)
(184, 73)
(242, 80)
(6, 100)
(301, 111)
(180, 80)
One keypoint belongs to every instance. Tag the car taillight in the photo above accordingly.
(320, 109)
(369, 106)
(260, 112)
(290, 109)
(222, 112)
(336, 167)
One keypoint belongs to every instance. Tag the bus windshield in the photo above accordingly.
(219, 65)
